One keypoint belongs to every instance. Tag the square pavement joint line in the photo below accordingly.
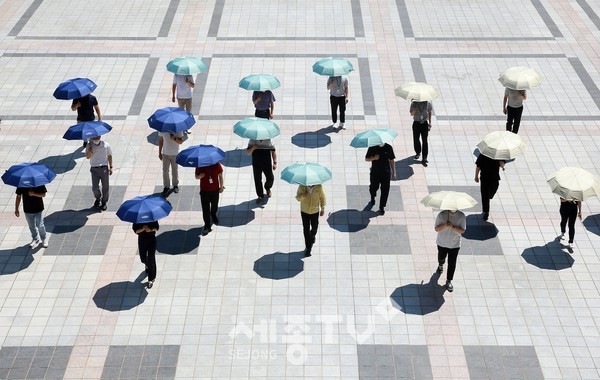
(358, 198)
(188, 198)
(379, 240)
(393, 362)
(81, 198)
(141, 362)
(503, 362)
(88, 240)
(42, 362)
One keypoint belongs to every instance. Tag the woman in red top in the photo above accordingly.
(211, 185)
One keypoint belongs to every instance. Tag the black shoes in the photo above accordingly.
(417, 156)
(486, 215)
(425, 162)
(165, 191)
(440, 269)
(97, 203)
(307, 253)
(215, 219)
(381, 211)
(149, 284)
(103, 206)
(449, 286)
(259, 200)
(206, 231)
(176, 189)
(372, 202)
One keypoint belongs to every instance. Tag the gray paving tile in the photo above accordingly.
(358, 197)
(25, 18)
(392, 362)
(32, 362)
(404, 19)
(366, 84)
(143, 87)
(589, 12)
(163, 363)
(380, 240)
(502, 362)
(357, 20)
(547, 19)
(188, 198)
(215, 21)
(80, 201)
(168, 20)
(87, 241)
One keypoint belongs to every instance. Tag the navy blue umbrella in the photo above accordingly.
(28, 174)
(74, 88)
(200, 156)
(86, 130)
(146, 208)
(171, 119)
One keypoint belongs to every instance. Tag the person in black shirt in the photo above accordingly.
(262, 151)
(33, 206)
(85, 107)
(381, 158)
(147, 246)
(487, 173)
(570, 209)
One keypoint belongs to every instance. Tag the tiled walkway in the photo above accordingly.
(242, 302)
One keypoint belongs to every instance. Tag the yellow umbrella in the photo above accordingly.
(502, 145)
(449, 200)
(574, 183)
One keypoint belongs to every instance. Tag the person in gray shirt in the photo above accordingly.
(101, 167)
(450, 225)
(338, 98)
(513, 108)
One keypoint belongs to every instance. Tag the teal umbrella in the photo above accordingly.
(306, 174)
(186, 66)
(256, 128)
(259, 82)
(373, 137)
(332, 66)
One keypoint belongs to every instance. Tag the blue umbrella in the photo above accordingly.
(306, 174)
(186, 66)
(146, 208)
(259, 82)
(373, 137)
(86, 130)
(332, 66)
(198, 156)
(28, 174)
(171, 119)
(256, 128)
(74, 88)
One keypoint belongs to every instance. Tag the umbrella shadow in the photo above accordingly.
(237, 215)
(64, 221)
(476, 152)
(419, 299)
(17, 259)
(279, 265)
(152, 138)
(351, 220)
(237, 158)
(313, 139)
(550, 256)
(592, 224)
(404, 169)
(122, 295)
(178, 241)
(479, 229)
(61, 164)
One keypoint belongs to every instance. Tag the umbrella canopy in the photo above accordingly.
(574, 183)
(502, 145)
(416, 91)
(520, 78)
(171, 119)
(186, 66)
(449, 200)
(373, 137)
(332, 66)
(74, 88)
(256, 128)
(306, 174)
(146, 208)
(28, 174)
(86, 130)
(259, 82)
(199, 156)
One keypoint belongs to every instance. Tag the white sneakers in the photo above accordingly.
(342, 126)
(45, 242)
(34, 243)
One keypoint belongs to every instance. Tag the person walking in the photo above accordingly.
(101, 167)
(182, 90)
(381, 158)
(85, 107)
(312, 205)
(211, 185)
(487, 173)
(168, 147)
(264, 161)
(449, 225)
(338, 98)
(512, 106)
(570, 209)
(264, 102)
(421, 113)
(33, 207)
(146, 233)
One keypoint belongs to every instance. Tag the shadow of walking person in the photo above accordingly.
(61, 164)
(550, 256)
(419, 299)
(122, 295)
(15, 260)
(279, 265)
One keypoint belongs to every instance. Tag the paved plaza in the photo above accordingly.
(243, 302)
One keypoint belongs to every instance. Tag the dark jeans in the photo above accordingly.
(259, 170)
(488, 190)
(513, 118)
(310, 224)
(265, 114)
(420, 131)
(452, 254)
(383, 180)
(568, 213)
(147, 248)
(338, 101)
(210, 205)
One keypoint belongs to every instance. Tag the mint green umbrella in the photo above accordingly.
(373, 137)
(306, 174)
(256, 128)
(259, 82)
(332, 66)
(186, 66)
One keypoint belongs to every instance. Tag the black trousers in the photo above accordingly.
(265, 114)
(513, 118)
(377, 180)
(210, 204)
(568, 213)
(420, 131)
(259, 170)
(488, 190)
(147, 248)
(338, 101)
(452, 254)
(310, 224)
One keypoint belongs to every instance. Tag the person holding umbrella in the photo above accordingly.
(146, 233)
(516, 81)
(570, 209)
(264, 161)
(211, 185)
(487, 174)
(512, 107)
(421, 113)
(312, 205)
(101, 167)
(338, 98)
(264, 102)
(85, 107)
(262, 97)
(381, 158)
(168, 148)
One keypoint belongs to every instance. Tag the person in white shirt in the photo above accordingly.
(168, 147)
(101, 166)
(450, 225)
(338, 98)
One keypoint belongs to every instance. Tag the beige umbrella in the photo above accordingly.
(502, 145)
(416, 91)
(574, 183)
(449, 200)
(520, 78)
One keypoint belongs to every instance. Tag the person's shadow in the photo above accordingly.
(178, 241)
(279, 265)
(237, 158)
(237, 215)
(550, 256)
(314, 139)
(351, 220)
(404, 169)
(17, 259)
(592, 223)
(122, 295)
(61, 164)
(419, 299)
(479, 229)
(64, 221)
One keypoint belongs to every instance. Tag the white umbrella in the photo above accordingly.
(502, 145)
(449, 200)
(574, 183)
(520, 78)
(417, 91)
